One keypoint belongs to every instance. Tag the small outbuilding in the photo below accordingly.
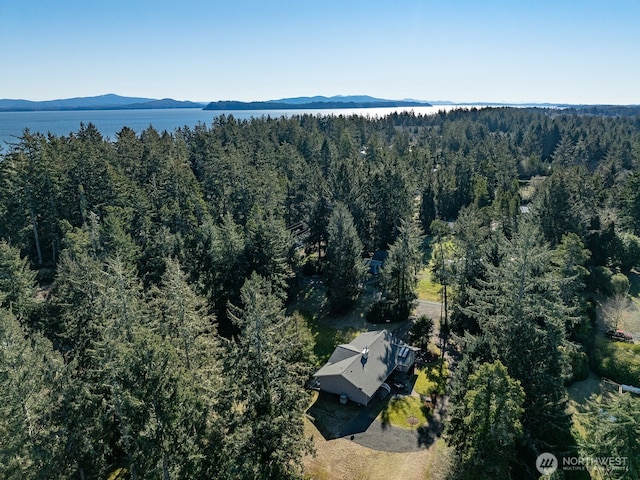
(358, 369)
(376, 262)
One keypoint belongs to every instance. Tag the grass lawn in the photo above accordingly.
(404, 412)
(427, 289)
(326, 339)
(430, 379)
(311, 308)
(411, 411)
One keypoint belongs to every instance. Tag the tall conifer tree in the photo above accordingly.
(265, 394)
(344, 268)
(400, 271)
(522, 319)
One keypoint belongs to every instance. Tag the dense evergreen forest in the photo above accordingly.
(144, 281)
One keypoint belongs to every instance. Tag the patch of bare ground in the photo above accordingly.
(579, 392)
(624, 311)
(342, 459)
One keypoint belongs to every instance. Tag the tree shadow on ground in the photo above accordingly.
(432, 431)
(334, 420)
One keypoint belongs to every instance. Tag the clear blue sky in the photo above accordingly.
(581, 51)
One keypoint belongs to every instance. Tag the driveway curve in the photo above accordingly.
(377, 435)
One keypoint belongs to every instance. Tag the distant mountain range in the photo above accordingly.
(117, 102)
(101, 102)
(317, 102)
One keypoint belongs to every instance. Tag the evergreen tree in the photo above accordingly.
(221, 265)
(265, 392)
(268, 248)
(571, 256)
(475, 351)
(564, 153)
(493, 405)
(194, 444)
(442, 261)
(399, 273)
(557, 208)
(318, 222)
(391, 201)
(88, 429)
(30, 443)
(427, 207)
(344, 268)
(421, 331)
(630, 200)
(611, 430)
(522, 319)
(470, 235)
(17, 282)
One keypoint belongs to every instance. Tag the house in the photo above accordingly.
(358, 369)
(376, 262)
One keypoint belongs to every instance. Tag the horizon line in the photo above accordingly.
(405, 99)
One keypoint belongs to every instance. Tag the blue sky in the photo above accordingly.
(582, 51)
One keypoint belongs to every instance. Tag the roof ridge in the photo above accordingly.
(348, 346)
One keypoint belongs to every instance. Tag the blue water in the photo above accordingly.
(109, 122)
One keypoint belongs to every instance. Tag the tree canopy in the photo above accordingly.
(143, 279)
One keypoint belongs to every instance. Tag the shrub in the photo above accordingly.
(421, 332)
(620, 284)
(617, 361)
(600, 280)
(384, 311)
(579, 365)
(380, 312)
(630, 254)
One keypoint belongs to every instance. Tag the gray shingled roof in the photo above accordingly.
(365, 371)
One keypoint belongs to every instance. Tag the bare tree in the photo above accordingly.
(613, 310)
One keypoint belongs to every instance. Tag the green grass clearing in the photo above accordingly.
(325, 337)
(427, 288)
(430, 379)
(579, 392)
(405, 412)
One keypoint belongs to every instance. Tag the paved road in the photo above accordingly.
(430, 309)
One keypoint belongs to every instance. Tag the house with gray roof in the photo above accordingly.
(358, 369)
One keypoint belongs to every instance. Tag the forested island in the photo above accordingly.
(156, 315)
(314, 103)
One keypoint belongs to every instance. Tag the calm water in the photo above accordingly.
(109, 122)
